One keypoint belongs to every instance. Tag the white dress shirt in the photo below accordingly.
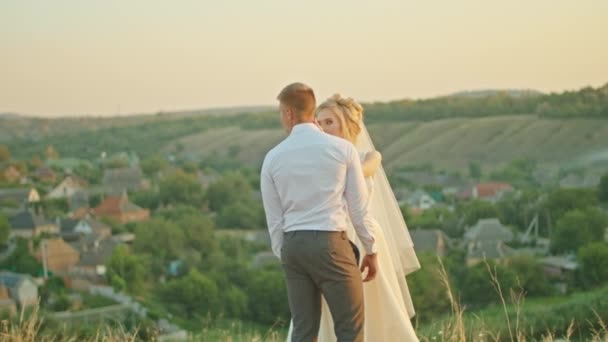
(314, 181)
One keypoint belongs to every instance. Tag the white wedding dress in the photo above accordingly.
(387, 301)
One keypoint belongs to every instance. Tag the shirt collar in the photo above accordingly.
(305, 127)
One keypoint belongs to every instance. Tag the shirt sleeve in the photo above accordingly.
(272, 209)
(357, 199)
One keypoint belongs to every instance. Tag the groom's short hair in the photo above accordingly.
(300, 97)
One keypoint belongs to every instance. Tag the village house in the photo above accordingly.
(561, 270)
(115, 181)
(7, 304)
(491, 192)
(45, 174)
(10, 174)
(121, 209)
(420, 200)
(27, 224)
(91, 268)
(58, 255)
(73, 229)
(486, 239)
(22, 289)
(67, 188)
(19, 197)
(430, 241)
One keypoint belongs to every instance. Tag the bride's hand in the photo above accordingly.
(370, 261)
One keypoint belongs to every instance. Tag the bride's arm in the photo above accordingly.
(371, 163)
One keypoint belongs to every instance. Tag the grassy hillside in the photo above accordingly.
(447, 144)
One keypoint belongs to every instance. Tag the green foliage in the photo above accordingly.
(128, 267)
(21, 261)
(475, 170)
(194, 295)
(587, 102)
(475, 210)
(562, 201)
(181, 188)
(476, 288)
(603, 189)
(242, 215)
(153, 164)
(577, 228)
(530, 276)
(593, 259)
(517, 172)
(429, 297)
(5, 230)
(231, 188)
(268, 296)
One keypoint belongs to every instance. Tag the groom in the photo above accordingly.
(305, 182)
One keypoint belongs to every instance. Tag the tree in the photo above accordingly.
(476, 210)
(267, 296)
(241, 214)
(530, 275)
(603, 189)
(231, 188)
(181, 188)
(577, 228)
(162, 240)
(561, 201)
(5, 154)
(475, 170)
(593, 259)
(21, 261)
(477, 288)
(194, 295)
(128, 267)
(153, 164)
(5, 230)
(430, 298)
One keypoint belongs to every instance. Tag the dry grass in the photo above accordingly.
(454, 329)
(29, 330)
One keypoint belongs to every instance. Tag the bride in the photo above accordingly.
(387, 301)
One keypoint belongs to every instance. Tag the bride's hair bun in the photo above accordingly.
(350, 113)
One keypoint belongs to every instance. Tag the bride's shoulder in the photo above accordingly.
(371, 155)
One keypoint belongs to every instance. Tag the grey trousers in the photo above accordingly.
(321, 262)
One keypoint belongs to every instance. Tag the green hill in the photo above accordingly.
(448, 144)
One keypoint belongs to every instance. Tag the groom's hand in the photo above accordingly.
(370, 261)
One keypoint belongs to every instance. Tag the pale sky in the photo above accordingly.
(99, 57)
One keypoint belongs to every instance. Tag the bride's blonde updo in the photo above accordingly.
(348, 111)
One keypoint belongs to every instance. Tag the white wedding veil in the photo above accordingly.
(384, 208)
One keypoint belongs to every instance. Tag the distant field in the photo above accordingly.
(448, 144)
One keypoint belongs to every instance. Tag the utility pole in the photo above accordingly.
(44, 259)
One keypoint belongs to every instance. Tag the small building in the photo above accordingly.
(421, 200)
(116, 181)
(10, 174)
(121, 209)
(73, 229)
(45, 174)
(19, 197)
(430, 241)
(22, 288)
(60, 256)
(561, 269)
(488, 230)
(67, 188)
(91, 268)
(487, 250)
(491, 192)
(27, 224)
